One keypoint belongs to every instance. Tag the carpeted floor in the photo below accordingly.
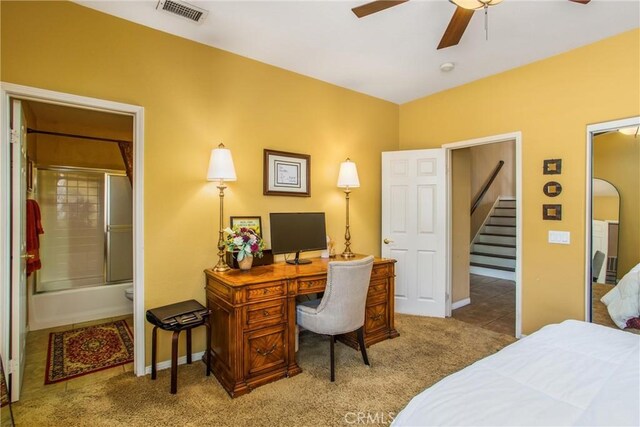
(427, 350)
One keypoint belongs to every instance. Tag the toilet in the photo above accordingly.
(129, 293)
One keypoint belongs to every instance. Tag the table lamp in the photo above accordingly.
(348, 179)
(221, 169)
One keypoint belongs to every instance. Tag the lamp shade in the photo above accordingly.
(348, 176)
(474, 4)
(221, 165)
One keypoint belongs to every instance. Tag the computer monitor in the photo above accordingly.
(297, 232)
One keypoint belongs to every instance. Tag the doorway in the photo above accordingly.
(612, 221)
(13, 344)
(485, 251)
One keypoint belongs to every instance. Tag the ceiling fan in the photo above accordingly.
(457, 25)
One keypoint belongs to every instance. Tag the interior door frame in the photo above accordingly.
(10, 90)
(591, 131)
(517, 138)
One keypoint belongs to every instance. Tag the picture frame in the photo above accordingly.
(253, 222)
(552, 189)
(552, 167)
(286, 174)
(552, 212)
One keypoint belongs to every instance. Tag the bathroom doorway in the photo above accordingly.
(80, 170)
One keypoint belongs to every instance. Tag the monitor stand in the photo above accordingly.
(297, 260)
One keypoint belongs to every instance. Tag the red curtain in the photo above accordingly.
(126, 150)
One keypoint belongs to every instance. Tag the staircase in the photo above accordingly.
(493, 250)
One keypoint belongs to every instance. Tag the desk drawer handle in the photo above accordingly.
(265, 291)
(376, 317)
(268, 352)
(265, 313)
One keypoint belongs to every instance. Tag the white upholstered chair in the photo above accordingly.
(342, 308)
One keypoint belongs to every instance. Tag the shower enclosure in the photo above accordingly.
(87, 220)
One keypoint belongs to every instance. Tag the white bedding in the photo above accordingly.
(572, 373)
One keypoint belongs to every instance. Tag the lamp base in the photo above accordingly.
(347, 253)
(221, 266)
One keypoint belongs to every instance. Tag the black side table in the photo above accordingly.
(182, 316)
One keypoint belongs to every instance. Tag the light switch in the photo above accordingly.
(560, 237)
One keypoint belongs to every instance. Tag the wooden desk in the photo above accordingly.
(253, 319)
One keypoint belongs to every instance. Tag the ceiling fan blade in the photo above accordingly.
(375, 6)
(456, 27)
(581, 1)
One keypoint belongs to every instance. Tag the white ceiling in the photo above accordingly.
(392, 54)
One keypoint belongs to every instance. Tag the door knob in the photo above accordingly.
(28, 256)
(387, 241)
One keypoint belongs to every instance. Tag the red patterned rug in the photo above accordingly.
(82, 351)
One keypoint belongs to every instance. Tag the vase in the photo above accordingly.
(245, 263)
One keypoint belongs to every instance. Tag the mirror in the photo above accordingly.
(6, 416)
(605, 228)
(614, 224)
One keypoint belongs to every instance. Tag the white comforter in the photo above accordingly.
(573, 373)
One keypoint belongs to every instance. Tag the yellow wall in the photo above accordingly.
(616, 158)
(606, 208)
(57, 151)
(484, 159)
(460, 201)
(195, 97)
(551, 102)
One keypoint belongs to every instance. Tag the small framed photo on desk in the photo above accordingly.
(253, 222)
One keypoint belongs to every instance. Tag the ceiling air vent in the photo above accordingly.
(183, 9)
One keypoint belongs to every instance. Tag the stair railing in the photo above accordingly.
(486, 187)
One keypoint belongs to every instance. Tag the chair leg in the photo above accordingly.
(363, 348)
(174, 362)
(333, 361)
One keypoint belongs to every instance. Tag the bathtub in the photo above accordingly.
(51, 309)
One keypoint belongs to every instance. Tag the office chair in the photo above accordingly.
(342, 307)
(596, 265)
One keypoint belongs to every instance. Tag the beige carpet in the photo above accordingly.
(427, 350)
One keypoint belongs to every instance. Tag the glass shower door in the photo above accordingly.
(119, 229)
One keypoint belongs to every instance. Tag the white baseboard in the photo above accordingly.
(166, 364)
(460, 303)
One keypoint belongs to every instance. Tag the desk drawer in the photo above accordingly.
(380, 272)
(312, 285)
(265, 350)
(377, 287)
(265, 313)
(375, 317)
(267, 291)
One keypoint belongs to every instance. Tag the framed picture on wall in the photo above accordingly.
(286, 174)
(253, 222)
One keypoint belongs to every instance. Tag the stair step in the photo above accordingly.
(505, 230)
(493, 260)
(493, 255)
(499, 245)
(494, 267)
(487, 239)
(496, 234)
(503, 216)
(491, 249)
(502, 220)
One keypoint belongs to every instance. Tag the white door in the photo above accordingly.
(600, 242)
(414, 228)
(18, 248)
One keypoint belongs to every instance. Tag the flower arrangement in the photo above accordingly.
(245, 241)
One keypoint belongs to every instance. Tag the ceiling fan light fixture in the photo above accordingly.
(474, 4)
(631, 130)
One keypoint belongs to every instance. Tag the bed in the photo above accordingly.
(572, 373)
